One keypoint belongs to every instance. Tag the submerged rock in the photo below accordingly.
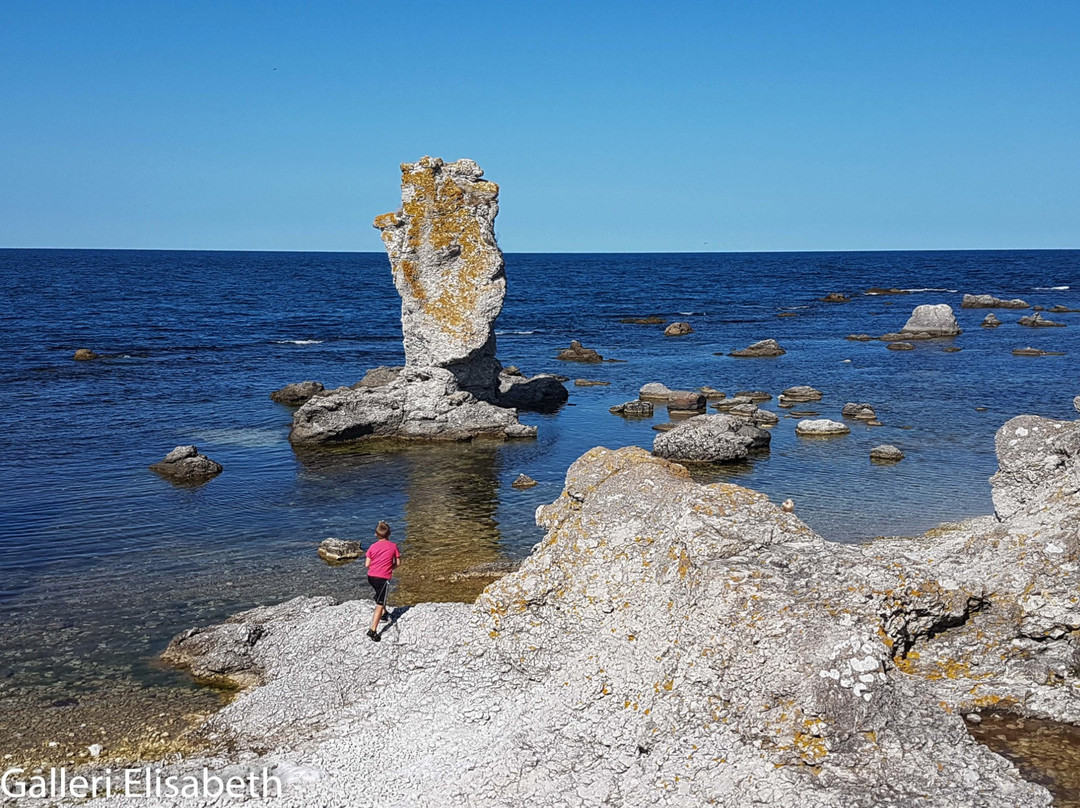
(763, 349)
(900, 346)
(590, 383)
(662, 622)
(822, 427)
(650, 320)
(875, 291)
(84, 355)
(184, 464)
(755, 395)
(678, 330)
(296, 394)
(727, 404)
(859, 337)
(579, 353)
(836, 297)
(340, 550)
(448, 270)
(712, 394)
(710, 439)
(991, 302)
(931, 320)
(1029, 351)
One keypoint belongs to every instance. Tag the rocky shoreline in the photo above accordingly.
(671, 643)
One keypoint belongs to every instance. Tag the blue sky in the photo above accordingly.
(621, 126)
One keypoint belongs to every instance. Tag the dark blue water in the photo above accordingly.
(106, 561)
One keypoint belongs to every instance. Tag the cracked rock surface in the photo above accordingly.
(678, 644)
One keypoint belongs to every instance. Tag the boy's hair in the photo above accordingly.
(382, 530)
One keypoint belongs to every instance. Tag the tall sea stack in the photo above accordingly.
(448, 269)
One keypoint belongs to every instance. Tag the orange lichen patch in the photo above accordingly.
(442, 217)
(811, 748)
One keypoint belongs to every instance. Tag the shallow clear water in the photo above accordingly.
(101, 561)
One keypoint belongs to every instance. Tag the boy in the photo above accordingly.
(381, 559)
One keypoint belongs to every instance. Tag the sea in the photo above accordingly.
(102, 561)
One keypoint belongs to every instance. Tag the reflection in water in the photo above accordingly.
(1045, 752)
(446, 523)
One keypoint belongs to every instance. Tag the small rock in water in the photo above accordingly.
(934, 320)
(821, 428)
(860, 412)
(678, 330)
(728, 404)
(900, 346)
(952, 349)
(579, 353)
(877, 290)
(590, 383)
(763, 349)
(835, 297)
(651, 320)
(800, 393)
(84, 355)
(712, 394)
(296, 394)
(523, 481)
(654, 391)
(686, 401)
(184, 464)
(991, 321)
(636, 408)
(887, 453)
(859, 337)
(333, 549)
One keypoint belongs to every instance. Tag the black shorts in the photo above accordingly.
(380, 585)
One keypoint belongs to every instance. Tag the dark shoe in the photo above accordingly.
(374, 635)
(385, 616)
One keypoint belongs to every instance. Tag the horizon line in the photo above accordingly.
(561, 252)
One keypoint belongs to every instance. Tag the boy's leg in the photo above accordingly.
(379, 609)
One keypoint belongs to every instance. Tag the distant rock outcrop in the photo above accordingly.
(762, 349)
(579, 353)
(678, 330)
(448, 269)
(991, 302)
(84, 355)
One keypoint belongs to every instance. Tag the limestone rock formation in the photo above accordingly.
(185, 465)
(1029, 351)
(932, 320)
(900, 346)
(757, 396)
(686, 401)
(710, 439)
(523, 481)
(448, 269)
(991, 321)
(296, 394)
(991, 302)
(676, 644)
(712, 394)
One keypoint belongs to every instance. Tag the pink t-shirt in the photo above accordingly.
(382, 555)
